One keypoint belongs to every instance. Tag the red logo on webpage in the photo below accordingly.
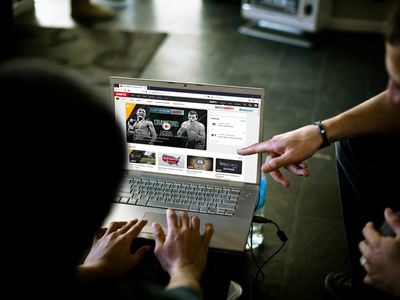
(121, 94)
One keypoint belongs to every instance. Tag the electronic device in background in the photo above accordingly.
(296, 22)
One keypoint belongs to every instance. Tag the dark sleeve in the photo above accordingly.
(182, 293)
(149, 290)
(160, 293)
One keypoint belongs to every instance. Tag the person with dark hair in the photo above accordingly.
(141, 130)
(194, 130)
(63, 174)
(367, 151)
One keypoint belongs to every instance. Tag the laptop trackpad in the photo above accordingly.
(154, 217)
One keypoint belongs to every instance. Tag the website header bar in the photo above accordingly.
(184, 99)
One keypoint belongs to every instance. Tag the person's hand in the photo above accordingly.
(110, 255)
(182, 253)
(381, 256)
(288, 150)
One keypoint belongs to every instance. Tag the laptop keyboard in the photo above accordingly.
(206, 199)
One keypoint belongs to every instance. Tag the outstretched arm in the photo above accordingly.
(374, 116)
(291, 149)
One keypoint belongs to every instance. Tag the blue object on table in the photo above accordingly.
(262, 191)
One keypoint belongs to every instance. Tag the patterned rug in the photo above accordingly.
(94, 52)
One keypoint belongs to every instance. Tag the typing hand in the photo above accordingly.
(183, 251)
(110, 254)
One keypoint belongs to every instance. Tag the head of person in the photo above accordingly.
(192, 116)
(392, 56)
(141, 114)
(63, 168)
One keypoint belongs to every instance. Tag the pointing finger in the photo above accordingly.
(255, 148)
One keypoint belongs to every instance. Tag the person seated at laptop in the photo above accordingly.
(62, 169)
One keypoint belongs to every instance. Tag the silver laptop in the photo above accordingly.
(181, 141)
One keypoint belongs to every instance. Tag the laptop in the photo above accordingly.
(181, 141)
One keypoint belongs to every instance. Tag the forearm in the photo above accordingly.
(374, 116)
(89, 273)
(185, 278)
(180, 131)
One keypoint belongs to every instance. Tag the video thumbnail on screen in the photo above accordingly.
(166, 126)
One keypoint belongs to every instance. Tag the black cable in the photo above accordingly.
(252, 252)
(259, 270)
(265, 262)
(281, 235)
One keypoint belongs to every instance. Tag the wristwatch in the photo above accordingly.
(322, 131)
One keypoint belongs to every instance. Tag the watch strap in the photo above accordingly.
(322, 131)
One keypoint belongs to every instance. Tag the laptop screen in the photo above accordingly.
(190, 130)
